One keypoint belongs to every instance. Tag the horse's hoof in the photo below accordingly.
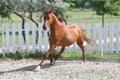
(37, 69)
(53, 64)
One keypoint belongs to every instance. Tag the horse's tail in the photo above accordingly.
(89, 41)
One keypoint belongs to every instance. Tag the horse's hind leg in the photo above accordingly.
(80, 44)
(51, 58)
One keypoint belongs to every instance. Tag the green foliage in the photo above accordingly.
(76, 3)
(79, 56)
(111, 56)
(67, 56)
(103, 7)
(55, 52)
(11, 6)
(17, 55)
(57, 6)
(37, 55)
(114, 7)
(4, 11)
(99, 6)
(90, 56)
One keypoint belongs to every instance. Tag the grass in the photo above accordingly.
(88, 16)
(64, 56)
(17, 55)
(91, 56)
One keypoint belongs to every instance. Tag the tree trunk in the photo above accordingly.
(30, 17)
(103, 21)
(23, 25)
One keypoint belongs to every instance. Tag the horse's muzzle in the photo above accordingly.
(44, 28)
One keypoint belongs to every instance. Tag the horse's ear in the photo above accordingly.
(44, 11)
(47, 11)
(51, 11)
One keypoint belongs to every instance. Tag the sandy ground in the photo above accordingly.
(62, 70)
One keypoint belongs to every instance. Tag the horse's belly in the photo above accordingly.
(70, 38)
(67, 42)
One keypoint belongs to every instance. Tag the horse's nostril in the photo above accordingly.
(44, 28)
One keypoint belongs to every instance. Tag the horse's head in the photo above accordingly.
(47, 19)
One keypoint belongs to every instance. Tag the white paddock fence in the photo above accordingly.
(107, 38)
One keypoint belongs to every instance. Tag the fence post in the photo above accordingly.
(45, 41)
(117, 37)
(111, 37)
(40, 37)
(20, 38)
(88, 36)
(13, 38)
(58, 48)
(94, 28)
(3, 39)
(105, 38)
(27, 37)
(100, 40)
(7, 38)
(74, 47)
(33, 38)
(68, 49)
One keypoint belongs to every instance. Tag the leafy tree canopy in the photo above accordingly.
(9, 6)
(4, 11)
(103, 7)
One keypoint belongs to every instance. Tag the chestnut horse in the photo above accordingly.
(63, 35)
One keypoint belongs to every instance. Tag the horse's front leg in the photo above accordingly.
(62, 49)
(47, 54)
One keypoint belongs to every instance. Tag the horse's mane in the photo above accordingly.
(61, 19)
(55, 17)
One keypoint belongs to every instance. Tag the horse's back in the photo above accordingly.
(72, 26)
(76, 27)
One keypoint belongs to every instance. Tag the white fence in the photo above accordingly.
(107, 38)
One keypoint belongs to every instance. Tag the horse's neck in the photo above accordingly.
(55, 25)
(55, 20)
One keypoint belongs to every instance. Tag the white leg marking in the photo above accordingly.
(84, 43)
(37, 68)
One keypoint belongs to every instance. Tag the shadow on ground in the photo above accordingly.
(27, 68)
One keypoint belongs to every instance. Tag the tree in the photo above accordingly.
(21, 7)
(78, 3)
(103, 7)
(4, 11)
